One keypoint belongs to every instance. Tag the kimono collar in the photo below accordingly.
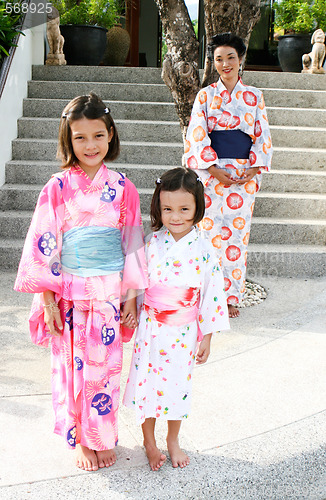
(191, 236)
(101, 174)
(221, 87)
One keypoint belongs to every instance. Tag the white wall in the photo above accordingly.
(30, 51)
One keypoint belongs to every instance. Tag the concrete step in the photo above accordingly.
(272, 79)
(131, 152)
(302, 117)
(129, 130)
(163, 153)
(115, 91)
(15, 224)
(146, 130)
(282, 181)
(304, 261)
(132, 110)
(281, 231)
(97, 74)
(307, 137)
(301, 261)
(289, 205)
(160, 93)
(295, 98)
(153, 75)
(142, 110)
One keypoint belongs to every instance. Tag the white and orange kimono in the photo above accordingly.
(230, 132)
(104, 215)
(184, 301)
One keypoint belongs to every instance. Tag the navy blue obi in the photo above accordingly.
(230, 143)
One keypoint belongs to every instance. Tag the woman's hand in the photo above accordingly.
(250, 173)
(52, 316)
(221, 175)
(204, 350)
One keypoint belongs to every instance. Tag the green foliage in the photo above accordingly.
(319, 13)
(300, 16)
(9, 28)
(91, 12)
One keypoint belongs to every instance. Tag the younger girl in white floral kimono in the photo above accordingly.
(185, 303)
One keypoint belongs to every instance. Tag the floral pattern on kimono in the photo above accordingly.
(87, 358)
(229, 209)
(159, 383)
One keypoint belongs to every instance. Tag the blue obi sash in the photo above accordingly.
(230, 143)
(92, 251)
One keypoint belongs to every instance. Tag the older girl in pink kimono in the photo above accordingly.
(229, 144)
(83, 255)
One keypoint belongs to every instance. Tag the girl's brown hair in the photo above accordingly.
(90, 107)
(173, 180)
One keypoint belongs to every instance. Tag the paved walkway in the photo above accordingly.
(257, 429)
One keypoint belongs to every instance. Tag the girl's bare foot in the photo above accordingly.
(178, 457)
(86, 459)
(233, 311)
(106, 458)
(155, 458)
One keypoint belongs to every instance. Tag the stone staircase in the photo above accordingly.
(288, 234)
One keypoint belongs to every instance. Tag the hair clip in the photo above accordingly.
(158, 180)
(64, 115)
(107, 111)
(199, 179)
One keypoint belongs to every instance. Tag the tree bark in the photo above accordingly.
(237, 16)
(180, 66)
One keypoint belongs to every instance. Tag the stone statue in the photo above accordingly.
(56, 56)
(313, 62)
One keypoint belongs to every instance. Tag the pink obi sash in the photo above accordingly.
(172, 306)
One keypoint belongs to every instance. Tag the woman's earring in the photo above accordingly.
(240, 69)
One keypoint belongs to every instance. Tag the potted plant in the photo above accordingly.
(9, 29)
(83, 24)
(298, 19)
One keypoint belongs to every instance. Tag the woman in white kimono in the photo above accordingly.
(184, 303)
(229, 144)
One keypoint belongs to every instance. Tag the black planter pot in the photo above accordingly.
(291, 49)
(84, 45)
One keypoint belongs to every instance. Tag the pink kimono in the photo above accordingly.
(87, 358)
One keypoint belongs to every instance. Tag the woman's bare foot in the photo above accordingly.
(178, 457)
(233, 311)
(106, 458)
(86, 459)
(155, 457)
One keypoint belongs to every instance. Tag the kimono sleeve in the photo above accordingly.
(213, 312)
(198, 153)
(40, 267)
(133, 246)
(261, 150)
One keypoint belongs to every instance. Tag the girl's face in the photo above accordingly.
(178, 210)
(90, 141)
(227, 63)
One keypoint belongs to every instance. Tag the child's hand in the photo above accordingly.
(204, 350)
(129, 314)
(52, 319)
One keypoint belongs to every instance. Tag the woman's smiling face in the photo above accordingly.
(227, 63)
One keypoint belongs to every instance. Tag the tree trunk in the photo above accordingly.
(180, 66)
(237, 16)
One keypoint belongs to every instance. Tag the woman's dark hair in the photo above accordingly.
(226, 40)
(173, 180)
(85, 106)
